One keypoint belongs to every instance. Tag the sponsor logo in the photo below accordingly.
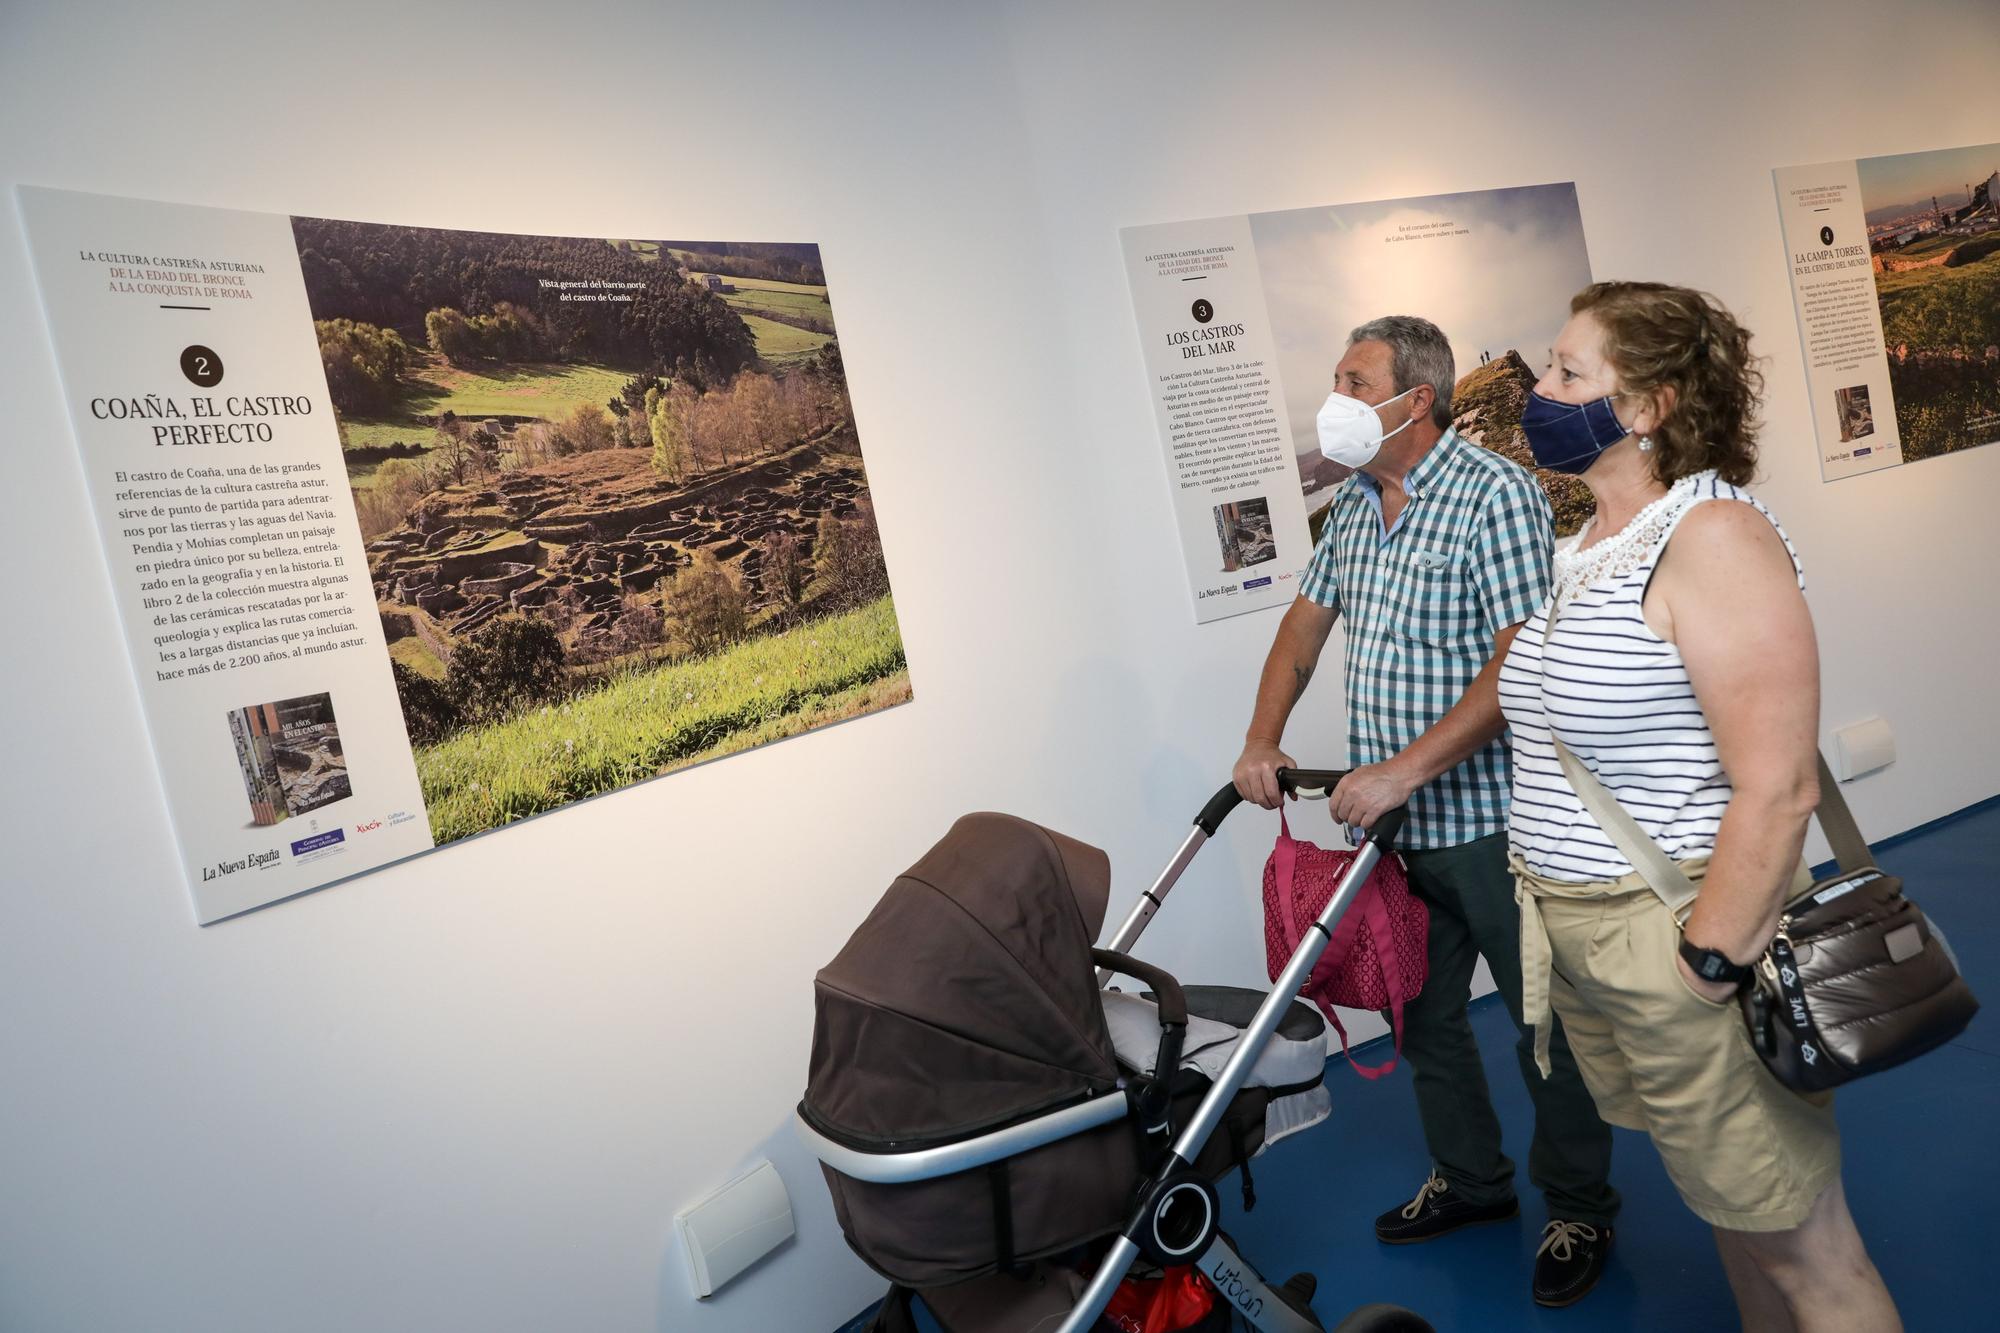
(1863, 453)
(251, 861)
(1226, 590)
(369, 827)
(318, 842)
(1264, 582)
(400, 817)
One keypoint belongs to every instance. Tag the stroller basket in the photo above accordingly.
(987, 1114)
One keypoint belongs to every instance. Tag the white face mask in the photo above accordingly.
(1349, 431)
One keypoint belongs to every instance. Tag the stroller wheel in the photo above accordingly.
(1302, 1285)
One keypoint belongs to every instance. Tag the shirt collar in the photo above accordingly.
(1419, 478)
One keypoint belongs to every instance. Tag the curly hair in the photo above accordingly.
(1661, 337)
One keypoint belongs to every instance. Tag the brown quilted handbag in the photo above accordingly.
(1856, 980)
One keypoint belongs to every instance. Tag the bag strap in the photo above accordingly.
(1285, 863)
(1668, 880)
(1371, 908)
(1850, 849)
(1286, 856)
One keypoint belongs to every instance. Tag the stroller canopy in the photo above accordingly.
(967, 1000)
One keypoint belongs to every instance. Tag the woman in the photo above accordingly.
(1683, 673)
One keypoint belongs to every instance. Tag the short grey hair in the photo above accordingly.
(1419, 353)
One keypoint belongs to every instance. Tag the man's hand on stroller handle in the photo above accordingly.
(1369, 792)
(1264, 763)
(1256, 774)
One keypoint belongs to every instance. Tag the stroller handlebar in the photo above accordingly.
(1314, 783)
(1172, 999)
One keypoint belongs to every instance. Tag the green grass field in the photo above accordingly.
(412, 654)
(362, 434)
(770, 285)
(781, 342)
(1930, 245)
(1942, 307)
(799, 302)
(668, 718)
(545, 390)
(758, 296)
(528, 390)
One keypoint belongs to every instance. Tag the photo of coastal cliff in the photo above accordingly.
(1494, 269)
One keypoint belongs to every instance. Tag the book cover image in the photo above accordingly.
(290, 756)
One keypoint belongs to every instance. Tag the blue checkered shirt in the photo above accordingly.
(1469, 555)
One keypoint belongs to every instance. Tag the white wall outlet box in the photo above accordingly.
(734, 1227)
(1863, 748)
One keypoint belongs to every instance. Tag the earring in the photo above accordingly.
(1645, 444)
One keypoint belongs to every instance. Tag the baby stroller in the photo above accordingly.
(1006, 1137)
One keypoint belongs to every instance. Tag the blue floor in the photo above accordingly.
(1919, 1169)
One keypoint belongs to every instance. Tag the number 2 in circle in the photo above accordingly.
(201, 365)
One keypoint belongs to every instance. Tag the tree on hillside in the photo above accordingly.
(506, 665)
(585, 430)
(364, 364)
(776, 261)
(784, 567)
(631, 395)
(667, 408)
(705, 606)
(458, 454)
(429, 711)
(394, 277)
(828, 374)
(847, 556)
(450, 335)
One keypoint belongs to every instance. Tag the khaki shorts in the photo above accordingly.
(1745, 1152)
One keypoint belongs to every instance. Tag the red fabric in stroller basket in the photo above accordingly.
(1376, 959)
(1177, 1301)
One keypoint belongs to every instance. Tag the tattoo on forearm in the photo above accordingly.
(1302, 675)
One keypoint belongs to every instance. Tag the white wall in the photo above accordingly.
(470, 1091)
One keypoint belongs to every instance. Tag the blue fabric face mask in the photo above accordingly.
(1568, 437)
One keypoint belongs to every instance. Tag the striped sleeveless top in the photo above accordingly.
(1619, 696)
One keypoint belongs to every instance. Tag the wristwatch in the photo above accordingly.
(1710, 965)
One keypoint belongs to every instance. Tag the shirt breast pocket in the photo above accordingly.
(1440, 608)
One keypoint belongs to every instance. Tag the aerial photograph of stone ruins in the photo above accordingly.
(613, 498)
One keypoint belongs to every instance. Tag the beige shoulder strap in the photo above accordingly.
(1665, 878)
(1676, 890)
(1837, 822)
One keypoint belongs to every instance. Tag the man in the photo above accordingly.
(1438, 550)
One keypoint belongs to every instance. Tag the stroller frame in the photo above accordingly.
(1176, 1217)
